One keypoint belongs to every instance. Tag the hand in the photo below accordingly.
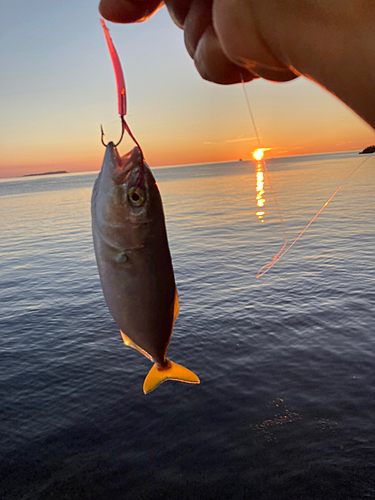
(213, 54)
(329, 41)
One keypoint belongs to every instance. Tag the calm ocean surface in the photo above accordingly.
(286, 405)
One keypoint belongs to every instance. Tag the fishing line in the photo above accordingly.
(250, 111)
(121, 100)
(264, 166)
(264, 269)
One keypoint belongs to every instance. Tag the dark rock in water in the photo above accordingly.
(47, 173)
(368, 150)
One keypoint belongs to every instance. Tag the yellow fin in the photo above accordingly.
(176, 306)
(172, 371)
(130, 343)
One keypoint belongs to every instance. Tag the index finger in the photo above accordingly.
(128, 11)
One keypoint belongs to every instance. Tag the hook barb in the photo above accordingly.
(123, 126)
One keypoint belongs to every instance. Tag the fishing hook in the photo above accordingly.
(123, 125)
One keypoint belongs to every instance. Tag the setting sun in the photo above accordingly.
(258, 154)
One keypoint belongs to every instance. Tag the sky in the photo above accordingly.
(57, 86)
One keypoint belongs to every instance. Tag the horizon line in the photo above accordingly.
(178, 165)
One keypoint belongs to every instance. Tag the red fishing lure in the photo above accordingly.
(120, 81)
(121, 92)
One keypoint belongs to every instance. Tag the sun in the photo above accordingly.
(258, 154)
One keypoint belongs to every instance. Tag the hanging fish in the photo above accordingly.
(134, 261)
(132, 254)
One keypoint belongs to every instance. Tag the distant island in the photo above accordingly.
(47, 173)
(369, 150)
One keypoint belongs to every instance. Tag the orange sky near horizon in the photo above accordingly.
(173, 148)
(89, 160)
(56, 90)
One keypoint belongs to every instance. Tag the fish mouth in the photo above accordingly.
(123, 166)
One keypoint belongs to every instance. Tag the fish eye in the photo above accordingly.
(136, 196)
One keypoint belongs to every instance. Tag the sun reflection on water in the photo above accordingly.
(259, 191)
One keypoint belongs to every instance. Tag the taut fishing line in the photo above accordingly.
(264, 166)
(264, 269)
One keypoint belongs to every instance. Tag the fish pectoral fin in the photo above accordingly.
(172, 371)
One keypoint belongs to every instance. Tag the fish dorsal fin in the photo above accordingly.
(176, 306)
(130, 343)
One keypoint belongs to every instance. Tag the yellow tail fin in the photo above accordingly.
(172, 371)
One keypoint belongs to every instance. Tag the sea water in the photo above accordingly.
(286, 404)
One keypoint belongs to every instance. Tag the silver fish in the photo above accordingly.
(134, 261)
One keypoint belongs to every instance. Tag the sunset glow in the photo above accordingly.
(258, 154)
(178, 118)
